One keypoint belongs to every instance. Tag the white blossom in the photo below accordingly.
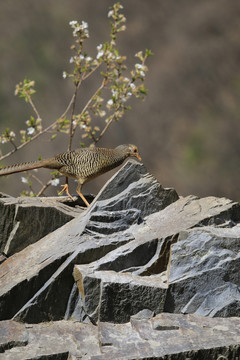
(84, 25)
(79, 28)
(110, 13)
(76, 30)
(71, 60)
(110, 56)
(55, 182)
(64, 75)
(100, 54)
(99, 47)
(102, 113)
(24, 180)
(30, 130)
(132, 86)
(86, 32)
(110, 102)
(114, 93)
(72, 23)
(142, 73)
(12, 134)
(139, 66)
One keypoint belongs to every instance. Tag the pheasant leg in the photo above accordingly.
(65, 188)
(83, 198)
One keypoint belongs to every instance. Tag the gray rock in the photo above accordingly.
(191, 211)
(114, 297)
(134, 256)
(24, 220)
(168, 336)
(204, 272)
(49, 302)
(132, 187)
(143, 314)
(122, 246)
(147, 255)
(48, 264)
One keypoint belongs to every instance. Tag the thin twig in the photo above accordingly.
(90, 100)
(37, 179)
(106, 127)
(33, 106)
(16, 148)
(13, 144)
(72, 114)
(44, 188)
(104, 130)
(39, 133)
(92, 71)
(71, 133)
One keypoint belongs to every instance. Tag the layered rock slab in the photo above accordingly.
(114, 297)
(32, 281)
(36, 275)
(23, 220)
(147, 255)
(205, 262)
(171, 335)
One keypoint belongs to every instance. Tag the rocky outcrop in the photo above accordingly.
(20, 216)
(138, 249)
(205, 261)
(179, 336)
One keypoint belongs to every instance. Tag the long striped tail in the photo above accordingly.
(12, 169)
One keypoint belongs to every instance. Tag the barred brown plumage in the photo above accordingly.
(82, 164)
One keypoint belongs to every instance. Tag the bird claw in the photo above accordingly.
(65, 188)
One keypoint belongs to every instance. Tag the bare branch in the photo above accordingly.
(39, 133)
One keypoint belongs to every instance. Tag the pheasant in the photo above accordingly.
(83, 164)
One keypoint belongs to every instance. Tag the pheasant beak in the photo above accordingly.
(138, 157)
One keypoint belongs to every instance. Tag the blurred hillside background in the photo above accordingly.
(187, 129)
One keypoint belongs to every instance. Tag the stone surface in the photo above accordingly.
(24, 220)
(132, 187)
(48, 264)
(164, 336)
(137, 250)
(205, 262)
(114, 297)
(149, 253)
